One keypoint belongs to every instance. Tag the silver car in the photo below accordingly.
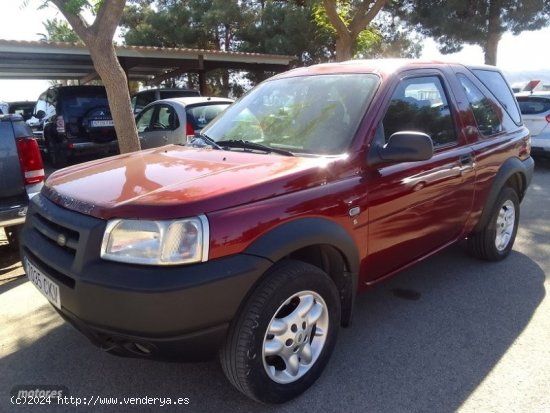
(171, 121)
(535, 110)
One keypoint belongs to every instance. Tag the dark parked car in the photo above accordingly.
(314, 186)
(73, 120)
(143, 98)
(21, 174)
(23, 108)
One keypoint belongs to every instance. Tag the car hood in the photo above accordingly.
(174, 181)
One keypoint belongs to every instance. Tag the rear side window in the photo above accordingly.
(21, 129)
(498, 86)
(200, 116)
(533, 105)
(488, 115)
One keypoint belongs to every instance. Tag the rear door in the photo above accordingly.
(417, 207)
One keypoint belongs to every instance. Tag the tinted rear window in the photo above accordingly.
(533, 105)
(200, 116)
(500, 89)
(77, 102)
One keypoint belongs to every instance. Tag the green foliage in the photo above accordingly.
(296, 28)
(59, 31)
(456, 22)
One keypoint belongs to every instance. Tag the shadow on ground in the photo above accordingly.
(423, 341)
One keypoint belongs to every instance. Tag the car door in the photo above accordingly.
(416, 208)
(157, 125)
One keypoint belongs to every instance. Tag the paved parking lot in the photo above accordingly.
(468, 336)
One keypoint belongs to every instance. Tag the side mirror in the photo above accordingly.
(403, 147)
(40, 114)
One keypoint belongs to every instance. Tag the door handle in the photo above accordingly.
(466, 162)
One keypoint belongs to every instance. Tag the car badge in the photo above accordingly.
(61, 240)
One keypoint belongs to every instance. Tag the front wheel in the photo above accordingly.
(496, 239)
(282, 339)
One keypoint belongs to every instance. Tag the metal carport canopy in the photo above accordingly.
(43, 60)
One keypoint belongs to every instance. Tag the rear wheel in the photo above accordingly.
(495, 241)
(281, 341)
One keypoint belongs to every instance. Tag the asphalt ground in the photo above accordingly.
(450, 334)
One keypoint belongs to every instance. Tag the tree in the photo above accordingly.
(58, 30)
(290, 28)
(452, 23)
(199, 24)
(349, 18)
(98, 37)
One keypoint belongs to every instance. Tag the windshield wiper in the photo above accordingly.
(240, 143)
(201, 140)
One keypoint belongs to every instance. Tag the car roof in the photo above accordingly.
(193, 100)
(167, 89)
(379, 66)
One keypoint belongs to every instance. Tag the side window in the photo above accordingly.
(488, 115)
(498, 86)
(142, 100)
(167, 119)
(41, 104)
(51, 102)
(420, 105)
(144, 119)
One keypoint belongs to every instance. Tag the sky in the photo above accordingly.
(520, 57)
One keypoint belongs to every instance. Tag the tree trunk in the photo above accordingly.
(365, 11)
(344, 46)
(108, 68)
(99, 39)
(494, 33)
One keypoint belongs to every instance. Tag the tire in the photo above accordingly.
(496, 239)
(291, 287)
(57, 155)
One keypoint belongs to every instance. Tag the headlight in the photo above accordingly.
(180, 241)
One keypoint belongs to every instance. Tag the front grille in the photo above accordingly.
(60, 240)
(64, 237)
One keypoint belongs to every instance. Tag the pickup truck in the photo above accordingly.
(21, 174)
(253, 240)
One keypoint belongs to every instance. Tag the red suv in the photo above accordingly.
(254, 239)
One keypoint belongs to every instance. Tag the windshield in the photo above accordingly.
(311, 115)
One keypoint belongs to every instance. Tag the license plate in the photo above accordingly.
(46, 286)
(102, 123)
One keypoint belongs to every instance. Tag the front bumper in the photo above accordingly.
(162, 312)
